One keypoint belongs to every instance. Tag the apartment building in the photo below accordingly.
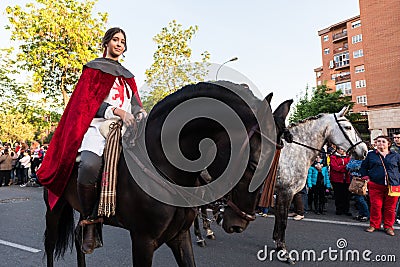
(381, 38)
(361, 57)
(343, 66)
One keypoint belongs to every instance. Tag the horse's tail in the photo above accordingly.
(59, 233)
(65, 231)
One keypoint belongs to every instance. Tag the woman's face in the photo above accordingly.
(382, 144)
(116, 46)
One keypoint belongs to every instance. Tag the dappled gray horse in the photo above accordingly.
(295, 160)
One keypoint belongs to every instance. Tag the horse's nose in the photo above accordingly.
(236, 229)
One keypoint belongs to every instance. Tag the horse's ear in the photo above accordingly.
(343, 111)
(269, 97)
(283, 109)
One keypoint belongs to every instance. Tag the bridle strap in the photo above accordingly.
(352, 146)
(309, 147)
(240, 213)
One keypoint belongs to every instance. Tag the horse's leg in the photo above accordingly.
(281, 215)
(50, 234)
(80, 256)
(142, 250)
(206, 223)
(197, 232)
(181, 246)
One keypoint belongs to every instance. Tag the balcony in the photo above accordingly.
(342, 78)
(341, 49)
(341, 65)
(339, 36)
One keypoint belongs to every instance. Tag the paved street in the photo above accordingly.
(22, 226)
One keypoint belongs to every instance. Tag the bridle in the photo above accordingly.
(352, 145)
(244, 215)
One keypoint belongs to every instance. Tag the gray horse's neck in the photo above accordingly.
(295, 159)
(311, 133)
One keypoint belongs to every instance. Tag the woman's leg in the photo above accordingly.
(389, 211)
(88, 174)
(376, 196)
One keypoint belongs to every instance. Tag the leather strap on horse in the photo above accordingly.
(112, 152)
(267, 195)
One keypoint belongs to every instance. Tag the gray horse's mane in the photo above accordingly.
(312, 118)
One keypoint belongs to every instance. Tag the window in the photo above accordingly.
(333, 77)
(326, 51)
(319, 83)
(345, 88)
(358, 53)
(331, 65)
(360, 84)
(362, 99)
(356, 24)
(356, 38)
(326, 38)
(319, 74)
(392, 131)
(359, 69)
(342, 59)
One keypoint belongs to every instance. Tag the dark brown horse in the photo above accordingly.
(148, 214)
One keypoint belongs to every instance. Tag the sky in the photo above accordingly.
(276, 42)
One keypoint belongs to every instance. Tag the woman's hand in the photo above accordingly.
(141, 115)
(126, 117)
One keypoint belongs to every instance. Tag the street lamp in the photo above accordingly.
(232, 59)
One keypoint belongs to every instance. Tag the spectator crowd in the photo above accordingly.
(19, 162)
(331, 174)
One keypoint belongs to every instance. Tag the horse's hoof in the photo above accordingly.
(201, 243)
(212, 237)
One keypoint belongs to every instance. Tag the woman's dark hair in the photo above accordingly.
(109, 35)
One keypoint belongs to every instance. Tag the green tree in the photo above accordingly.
(321, 100)
(172, 67)
(55, 39)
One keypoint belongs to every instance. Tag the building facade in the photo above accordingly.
(343, 66)
(361, 57)
(381, 33)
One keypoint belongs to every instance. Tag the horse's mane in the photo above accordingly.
(312, 118)
(216, 89)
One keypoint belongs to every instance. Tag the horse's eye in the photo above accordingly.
(347, 127)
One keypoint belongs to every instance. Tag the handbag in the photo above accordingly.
(393, 190)
(358, 186)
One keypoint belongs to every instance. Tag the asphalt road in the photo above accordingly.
(336, 240)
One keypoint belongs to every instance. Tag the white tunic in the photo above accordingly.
(118, 97)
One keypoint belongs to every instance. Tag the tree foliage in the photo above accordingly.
(320, 101)
(55, 39)
(172, 67)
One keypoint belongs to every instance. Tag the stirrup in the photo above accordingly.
(90, 221)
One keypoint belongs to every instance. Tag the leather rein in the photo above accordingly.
(244, 215)
(352, 145)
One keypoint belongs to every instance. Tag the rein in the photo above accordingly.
(244, 215)
(352, 145)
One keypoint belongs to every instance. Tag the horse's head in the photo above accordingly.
(343, 134)
(244, 196)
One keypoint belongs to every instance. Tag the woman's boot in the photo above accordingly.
(88, 198)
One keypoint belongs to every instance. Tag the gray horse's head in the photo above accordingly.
(343, 134)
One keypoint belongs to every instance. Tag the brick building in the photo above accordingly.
(361, 57)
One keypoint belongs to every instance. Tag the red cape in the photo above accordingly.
(93, 87)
